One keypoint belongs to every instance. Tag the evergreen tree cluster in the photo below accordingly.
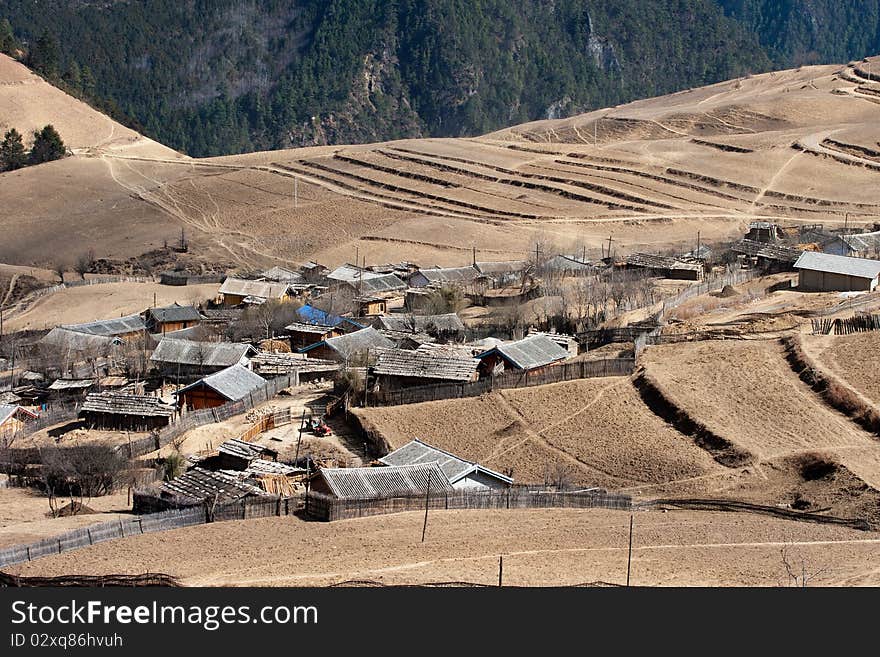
(47, 146)
(212, 77)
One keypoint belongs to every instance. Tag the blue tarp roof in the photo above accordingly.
(313, 315)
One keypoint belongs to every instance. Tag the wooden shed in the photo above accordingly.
(462, 474)
(400, 368)
(303, 334)
(533, 353)
(13, 419)
(171, 318)
(122, 412)
(822, 272)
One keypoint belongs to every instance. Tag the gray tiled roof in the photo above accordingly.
(174, 313)
(448, 274)
(390, 481)
(424, 365)
(260, 289)
(417, 453)
(197, 485)
(116, 403)
(233, 383)
(109, 327)
(283, 274)
(378, 284)
(243, 449)
(862, 241)
(359, 341)
(205, 354)
(500, 267)
(63, 338)
(423, 323)
(834, 264)
(531, 352)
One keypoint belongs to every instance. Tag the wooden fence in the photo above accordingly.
(562, 372)
(147, 523)
(326, 507)
(845, 326)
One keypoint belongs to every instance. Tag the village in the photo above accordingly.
(371, 389)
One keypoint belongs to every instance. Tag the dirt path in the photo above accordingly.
(12, 282)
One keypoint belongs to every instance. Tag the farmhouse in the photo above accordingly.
(309, 314)
(185, 358)
(567, 342)
(229, 385)
(70, 389)
(443, 327)
(502, 271)
(377, 483)
(238, 454)
(399, 368)
(529, 354)
(346, 347)
(236, 291)
(763, 231)
(75, 344)
(822, 272)
(462, 474)
(171, 318)
(371, 305)
(312, 272)
(302, 334)
(283, 275)
(12, 419)
(563, 265)
(122, 412)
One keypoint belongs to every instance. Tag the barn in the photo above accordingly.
(823, 272)
(462, 474)
(122, 412)
(124, 328)
(195, 487)
(229, 385)
(238, 454)
(236, 291)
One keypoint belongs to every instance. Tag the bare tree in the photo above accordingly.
(797, 573)
(84, 263)
(59, 267)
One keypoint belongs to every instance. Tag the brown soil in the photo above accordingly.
(540, 548)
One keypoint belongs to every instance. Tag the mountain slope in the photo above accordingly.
(230, 76)
(795, 146)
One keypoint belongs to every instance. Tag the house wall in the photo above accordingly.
(324, 352)
(819, 281)
(119, 422)
(168, 327)
(479, 481)
(232, 300)
(374, 308)
(10, 427)
(202, 397)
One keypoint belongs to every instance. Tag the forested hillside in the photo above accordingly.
(212, 77)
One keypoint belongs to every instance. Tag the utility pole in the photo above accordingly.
(295, 192)
(427, 497)
(630, 556)
(609, 245)
(475, 256)
(697, 254)
(595, 131)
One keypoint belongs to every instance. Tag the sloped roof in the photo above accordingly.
(500, 267)
(260, 289)
(455, 468)
(197, 485)
(424, 365)
(660, 262)
(834, 264)
(121, 404)
(174, 313)
(190, 334)
(862, 241)
(63, 338)
(303, 327)
(71, 384)
(351, 343)
(283, 274)
(441, 275)
(8, 410)
(311, 315)
(378, 284)
(233, 383)
(390, 481)
(449, 322)
(566, 263)
(769, 251)
(243, 449)
(109, 327)
(529, 353)
(349, 273)
(207, 354)
(266, 363)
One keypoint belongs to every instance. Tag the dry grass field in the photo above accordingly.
(787, 146)
(593, 431)
(105, 301)
(540, 548)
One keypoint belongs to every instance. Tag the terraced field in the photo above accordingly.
(851, 357)
(746, 393)
(791, 146)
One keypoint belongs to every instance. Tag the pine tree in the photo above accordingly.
(48, 146)
(8, 43)
(45, 55)
(12, 153)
